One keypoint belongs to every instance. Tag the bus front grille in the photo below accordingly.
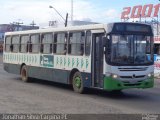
(139, 76)
(132, 84)
(136, 84)
(133, 69)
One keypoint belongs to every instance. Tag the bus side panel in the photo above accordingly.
(40, 73)
(49, 74)
(86, 79)
(60, 76)
(57, 75)
(12, 68)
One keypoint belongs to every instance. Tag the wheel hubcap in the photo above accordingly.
(77, 82)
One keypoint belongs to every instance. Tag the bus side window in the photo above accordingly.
(76, 43)
(47, 40)
(29, 45)
(54, 43)
(42, 43)
(35, 43)
(61, 43)
(24, 43)
(8, 44)
(11, 47)
(15, 44)
(82, 42)
(88, 43)
(69, 42)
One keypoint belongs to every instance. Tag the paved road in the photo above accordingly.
(47, 97)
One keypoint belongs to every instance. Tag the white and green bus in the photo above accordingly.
(111, 57)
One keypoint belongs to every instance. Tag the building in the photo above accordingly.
(156, 31)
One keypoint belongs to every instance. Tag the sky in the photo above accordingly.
(101, 11)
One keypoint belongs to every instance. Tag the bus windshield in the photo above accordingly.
(131, 50)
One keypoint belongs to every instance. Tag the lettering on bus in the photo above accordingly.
(138, 11)
(46, 60)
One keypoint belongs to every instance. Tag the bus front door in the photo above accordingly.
(97, 60)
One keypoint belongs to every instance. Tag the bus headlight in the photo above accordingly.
(114, 76)
(150, 75)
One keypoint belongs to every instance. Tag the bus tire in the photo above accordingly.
(77, 83)
(24, 74)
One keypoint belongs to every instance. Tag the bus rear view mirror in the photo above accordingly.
(104, 41)
(106, 44)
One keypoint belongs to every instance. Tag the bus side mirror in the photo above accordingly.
(104, 41)
(106, 44)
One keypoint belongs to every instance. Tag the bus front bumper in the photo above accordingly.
(111, 84)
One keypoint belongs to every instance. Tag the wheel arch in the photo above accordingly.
(21, 67)
(73, 71)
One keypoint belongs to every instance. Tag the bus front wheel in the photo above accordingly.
(77, 82)
(24, 74)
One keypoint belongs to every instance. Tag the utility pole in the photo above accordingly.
(57, 12)
(33, 24)
(16, 24)
(65, 20)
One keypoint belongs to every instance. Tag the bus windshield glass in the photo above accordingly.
(131, 50)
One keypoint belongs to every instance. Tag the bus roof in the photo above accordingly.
(60, 29)
(107, 27)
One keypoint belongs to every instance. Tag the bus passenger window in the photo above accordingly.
(8, 44)
(15, 43)
(24, 43)
(61, 39)
(88, 43)
(55, 43)
(69, 43)
(29, 46)
(76, 43)
(34, 45)
(47, 43)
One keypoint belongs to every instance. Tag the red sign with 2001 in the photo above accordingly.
(138, 11)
